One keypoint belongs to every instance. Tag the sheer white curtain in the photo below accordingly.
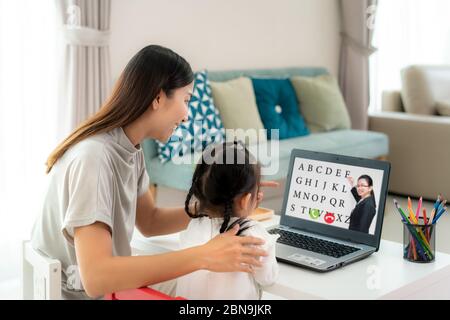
(85, 71)
(407, 32)
(28, 64)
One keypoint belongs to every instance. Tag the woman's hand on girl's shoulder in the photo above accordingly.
(230, 253)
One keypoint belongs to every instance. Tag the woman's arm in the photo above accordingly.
(154, 221)
(355, 194)
(103, 273)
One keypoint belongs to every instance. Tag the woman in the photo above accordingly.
(365, 209)
(98, 190)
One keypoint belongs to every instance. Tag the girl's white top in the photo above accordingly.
(205, 284)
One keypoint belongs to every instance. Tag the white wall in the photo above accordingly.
(229, 34)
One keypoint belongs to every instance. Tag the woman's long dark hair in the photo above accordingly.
(217, 184)
(370, 183)
(152, 69)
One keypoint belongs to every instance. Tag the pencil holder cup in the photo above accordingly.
(419, 242)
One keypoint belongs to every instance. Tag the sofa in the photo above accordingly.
(173, 180)
(418, 131)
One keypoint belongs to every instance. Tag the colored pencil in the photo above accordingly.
(414, 249)
(442, 205)
(418, 208)
(412, 216)
(425, 222)
(433, 212)
(410, 208)
(402, 214)
(441, 212)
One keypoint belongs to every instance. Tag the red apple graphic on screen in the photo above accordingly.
(329, 217)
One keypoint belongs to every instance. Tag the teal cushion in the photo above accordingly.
(204, 125)
(278, 107)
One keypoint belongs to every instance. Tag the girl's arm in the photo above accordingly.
(154, 221)
(103, 273)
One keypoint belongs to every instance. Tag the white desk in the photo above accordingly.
(383, 275)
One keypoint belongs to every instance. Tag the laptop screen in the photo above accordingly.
(335, 194)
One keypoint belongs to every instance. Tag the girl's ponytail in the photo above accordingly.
(228, 213)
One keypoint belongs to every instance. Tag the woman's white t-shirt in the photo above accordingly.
(205, 284)
(97, 179)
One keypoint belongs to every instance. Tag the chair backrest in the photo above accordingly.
(41, 280)
(41, 276)
(140, 294)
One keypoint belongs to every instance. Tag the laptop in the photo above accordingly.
(333, 210)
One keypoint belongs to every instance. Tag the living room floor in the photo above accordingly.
(392, 230)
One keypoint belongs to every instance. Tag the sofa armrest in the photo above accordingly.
(418, 150)
(419, 121)
(392, 101)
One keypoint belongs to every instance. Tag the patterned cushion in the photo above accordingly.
(203, 127)
(278, 107)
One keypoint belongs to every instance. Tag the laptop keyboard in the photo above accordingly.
(301, 241)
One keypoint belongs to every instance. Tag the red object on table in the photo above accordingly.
(140, 294)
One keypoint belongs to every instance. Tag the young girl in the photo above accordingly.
(225, 186)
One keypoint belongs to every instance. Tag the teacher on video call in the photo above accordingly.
(365, 208)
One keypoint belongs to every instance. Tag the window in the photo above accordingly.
(28, 95)
(407, 32)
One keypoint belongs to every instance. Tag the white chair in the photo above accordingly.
(41, 276)
(41, 280)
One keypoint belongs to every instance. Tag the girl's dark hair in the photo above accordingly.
(218, 183)
(152, 69)
(369, 182)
